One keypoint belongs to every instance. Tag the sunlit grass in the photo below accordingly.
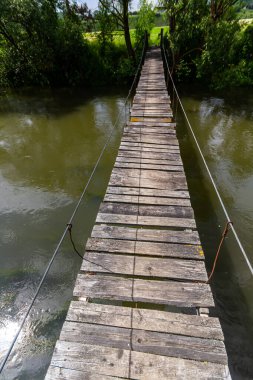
(119, 40)
(155, 35)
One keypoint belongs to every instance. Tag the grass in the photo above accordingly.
(155, 33)
(119, 40)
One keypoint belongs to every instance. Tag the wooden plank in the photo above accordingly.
(148, 192)
(126, 158)
(151, 108)
(150, 130)
(170, 157)
(154, 144)
(133, 165)
(146, 210)
(144, 146)
(155, 149)
(165, 140)
(153, 342)
(187, 251)
(148, 174)
(173, 183)
(59, 373)
(152, 119)
(151, 221)
(92, 359)
(151, 114)
(186, 270)
(144, 234)
(145, 319)
(180, 294)
(142, 200)
(150, 123)
(141, 366)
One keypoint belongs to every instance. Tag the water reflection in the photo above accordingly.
(49, 143)
(223, 126)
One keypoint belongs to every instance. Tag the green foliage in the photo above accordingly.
(145, 20)
(217, 50)
(208, 43)
(155, 35)
(227, 57)
(106, 26)
(41, 46)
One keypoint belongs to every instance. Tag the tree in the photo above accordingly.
(219, 8)
(41, 45)
(145, 19)
(119, 9)
(173, 9)
(106, 25)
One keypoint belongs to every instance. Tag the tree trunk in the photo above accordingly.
(129, 46)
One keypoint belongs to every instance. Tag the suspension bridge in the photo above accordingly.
(141, 301)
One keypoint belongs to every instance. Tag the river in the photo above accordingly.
(49, 143)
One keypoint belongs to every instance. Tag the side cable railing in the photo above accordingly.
(168, 73)
(70, 221)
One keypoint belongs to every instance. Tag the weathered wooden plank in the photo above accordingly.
(150, 130)
(59, 373)
(153, 342)
(149, 146)
(187, 251)
(154, 144)
(187, 270)
(150, 123)
(139, 199)
(155, 149)
(140, 159)
(151, 114)
(148, 174)
(136, 157)
(143, 366)
(166, 140)
(170, 157)
(152, 119)
(145, 319)
(151, 221)
(151, 183)
(146, 210)
(147, 192)
(181, 294)
(144, 234)
(134, 165)
(92, 359)
(151, 108)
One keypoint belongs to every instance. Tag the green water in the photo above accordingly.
(49, 143)
(223, 124)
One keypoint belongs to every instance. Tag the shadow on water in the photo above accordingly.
(51, 102)
(231, 284)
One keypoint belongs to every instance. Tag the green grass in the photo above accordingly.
(119, 40)
(245, 14)
(155, 33)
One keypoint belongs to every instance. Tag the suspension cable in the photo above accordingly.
(75, 210)
(207, 168)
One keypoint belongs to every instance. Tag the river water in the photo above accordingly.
(49, 143)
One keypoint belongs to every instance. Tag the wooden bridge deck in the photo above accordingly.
(140, 306)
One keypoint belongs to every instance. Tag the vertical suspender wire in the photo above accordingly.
(72, 216)
(208, 171)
